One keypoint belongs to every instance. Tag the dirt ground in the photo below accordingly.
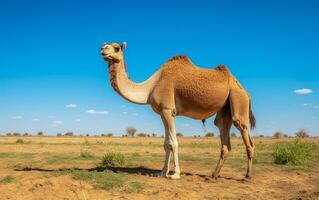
(54, 168)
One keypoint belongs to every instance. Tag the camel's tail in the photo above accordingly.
(252, 118)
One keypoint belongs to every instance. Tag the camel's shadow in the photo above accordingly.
(129, 170)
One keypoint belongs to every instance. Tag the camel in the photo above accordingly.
(179, 88)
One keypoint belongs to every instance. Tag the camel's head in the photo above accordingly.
(113, 52)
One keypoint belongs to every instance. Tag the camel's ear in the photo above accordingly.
(123, 46)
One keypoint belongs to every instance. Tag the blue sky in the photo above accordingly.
(53, 79)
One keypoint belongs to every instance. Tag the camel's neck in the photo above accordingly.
(134, 92)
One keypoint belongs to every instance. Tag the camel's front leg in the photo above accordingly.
(171, 143)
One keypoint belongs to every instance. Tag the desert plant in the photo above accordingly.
(25, 134)
(262, 136)
(59, 134)
(294, 153)
(69, 134)
(40, 133)
(16, 134)
(210, 134)
(143, 135)
(7, 179)
(113, 159)
(8, 134)
(302, 133)
(85, 154)
(278, 135)
(131, 131)
(179, 134)
(19, 141)
(233, 134)
(154, 135)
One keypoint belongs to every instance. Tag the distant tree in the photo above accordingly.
(278, 135)
(103, 135)
(8, 134)
(87, 135)
(131, 131)
(142, 135)
(285, 135)
(233, 134)
(109, 135)
(210, 134)
(124, 135)
(59, 134)
(154, 135)
(302, 133)
(69, 134)
(261, 135)
(179, 134)
(16, 134)
(40, 133)
(25, 134)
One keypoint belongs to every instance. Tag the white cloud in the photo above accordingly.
(71, 105)
(35, 119)
(305, 104)
(124, 113)
(303, 91)
(94, 112)
(58, 122)
(17, 117)
(78, 120)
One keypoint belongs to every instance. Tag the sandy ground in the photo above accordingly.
(34, 170)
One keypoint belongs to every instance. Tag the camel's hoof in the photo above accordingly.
(174, 176)
(215, 176)
(248, 176)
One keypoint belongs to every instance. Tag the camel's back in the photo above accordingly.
(194, 86)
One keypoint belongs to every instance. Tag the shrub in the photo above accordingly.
(179, 134)
(19, 141)
(131, 131)
(40, 133)
(69, 134)
(85, 154)
(59, 134)
(154, 135)
(302, 133)
(8, 134)
(143, 135)
(278, 135)
(7, 179)
(262, 136)
(233, 134)
(16, 134)
(109, 135)
(113, 159)
(210, 134)
(294, 153)
(25, 134)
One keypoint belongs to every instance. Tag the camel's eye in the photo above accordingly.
(117, 48)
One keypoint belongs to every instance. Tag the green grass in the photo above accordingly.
(16, 155)
(113, 159)
(101, 180)
(7, 179)
(19, 141)
(136, 187)
(293, 153)
(86, 155)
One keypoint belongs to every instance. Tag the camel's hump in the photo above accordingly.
(182, 58)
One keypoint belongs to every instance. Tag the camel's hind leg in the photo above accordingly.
(223, 122)
(240, 106)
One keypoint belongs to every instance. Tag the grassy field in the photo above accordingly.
(124, 168)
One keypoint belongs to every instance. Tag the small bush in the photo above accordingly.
(85, 154)
(8, 134)
(25, 134)
(70, 134)
(210, 134)
(302, 133)
(16, 134)
(154, 135)
(113, 159)
(7, 179)
(40, 133)
(179, 135)
(294, 153)
(19, 141)
(233, 134)
(109, 135)
(59, 134)
(143, 135)
(278, 135)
